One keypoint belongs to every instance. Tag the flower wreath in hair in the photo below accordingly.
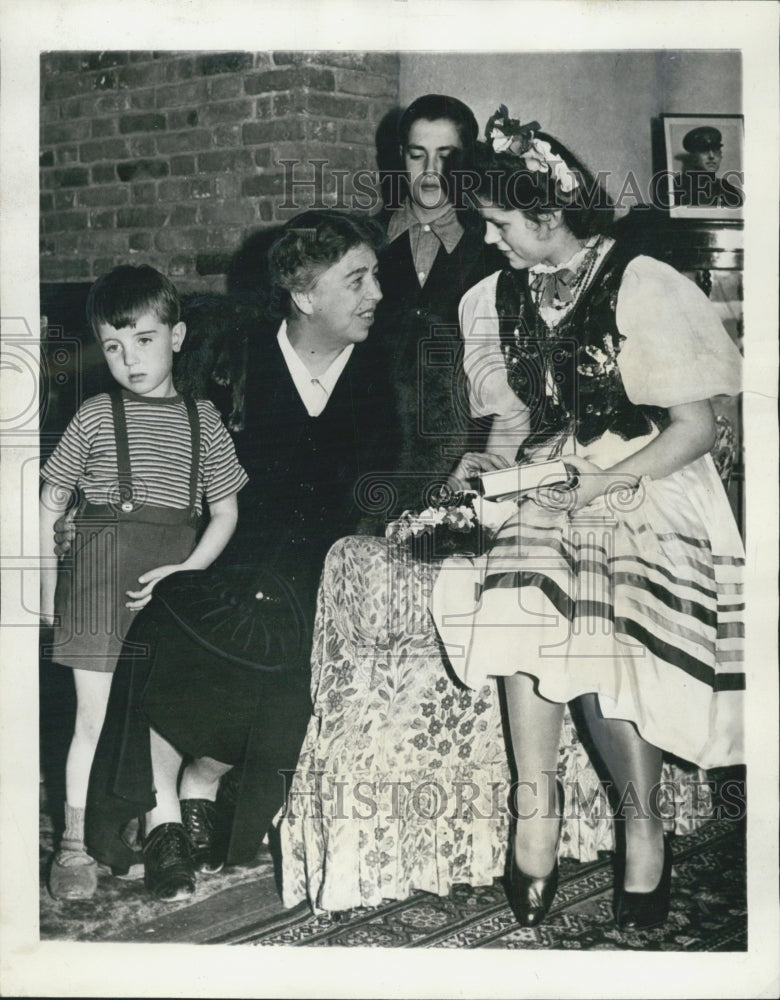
(507, 135)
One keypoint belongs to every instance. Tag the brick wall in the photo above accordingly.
(173, 158)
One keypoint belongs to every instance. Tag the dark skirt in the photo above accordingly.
(207, 677)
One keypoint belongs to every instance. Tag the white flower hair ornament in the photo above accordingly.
(507, 135)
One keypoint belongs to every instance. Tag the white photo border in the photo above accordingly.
(29, 967)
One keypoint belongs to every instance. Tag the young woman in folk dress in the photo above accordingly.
(625, 589)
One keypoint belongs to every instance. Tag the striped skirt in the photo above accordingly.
(637, 597)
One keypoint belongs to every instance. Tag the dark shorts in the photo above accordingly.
(107, 557)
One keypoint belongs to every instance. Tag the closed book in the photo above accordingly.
(519, 479)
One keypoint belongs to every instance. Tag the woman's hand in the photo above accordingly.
(589, 482)
(689, 435)
(52, 506)
(140, 598)
(471, 465)
(64, 532)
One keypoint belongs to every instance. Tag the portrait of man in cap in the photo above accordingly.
(697, 183)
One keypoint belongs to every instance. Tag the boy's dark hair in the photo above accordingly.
(504, 179)
(119, 297)
(433, 107)
(309, 244)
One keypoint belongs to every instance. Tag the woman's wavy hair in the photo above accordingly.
(504, 179)
(309, 244)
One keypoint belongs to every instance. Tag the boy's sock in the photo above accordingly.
(73, 873)
(73, 837)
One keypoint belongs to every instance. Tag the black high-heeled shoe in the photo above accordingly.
(530, 897)
(638, 911)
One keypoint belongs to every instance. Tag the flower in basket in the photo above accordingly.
(460, 522)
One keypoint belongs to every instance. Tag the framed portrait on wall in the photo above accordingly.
(704, 166)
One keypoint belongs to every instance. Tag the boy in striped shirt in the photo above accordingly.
(142, 460)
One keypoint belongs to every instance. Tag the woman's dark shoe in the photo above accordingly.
(168, 871)
(530, 897)
(637, 911)
(199, 817)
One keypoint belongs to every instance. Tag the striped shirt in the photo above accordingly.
(158, 433)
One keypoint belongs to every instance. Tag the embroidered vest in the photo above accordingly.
(568, 376)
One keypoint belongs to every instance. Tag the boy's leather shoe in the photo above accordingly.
(168, 870)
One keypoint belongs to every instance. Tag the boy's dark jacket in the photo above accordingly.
(417, 329)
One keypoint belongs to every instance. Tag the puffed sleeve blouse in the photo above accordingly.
(675, 348)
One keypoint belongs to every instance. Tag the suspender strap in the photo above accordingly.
(192, 413)
(122, 448)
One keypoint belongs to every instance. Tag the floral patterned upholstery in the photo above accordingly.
(724, 451)
(403, 779)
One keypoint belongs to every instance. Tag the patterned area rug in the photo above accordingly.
(708, 911)
(242, 906)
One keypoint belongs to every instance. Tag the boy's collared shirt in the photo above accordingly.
(314, 392)
(425, 238)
